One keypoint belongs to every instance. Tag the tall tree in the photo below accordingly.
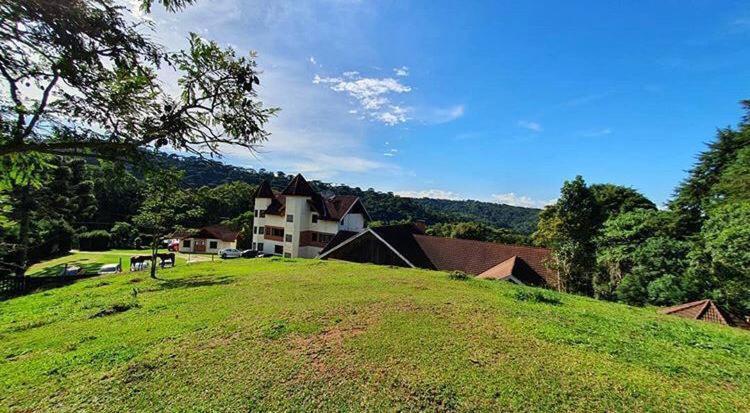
(569, 227)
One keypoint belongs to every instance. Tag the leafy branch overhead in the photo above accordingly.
(79, 78)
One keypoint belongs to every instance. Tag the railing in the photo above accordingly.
(11, 286)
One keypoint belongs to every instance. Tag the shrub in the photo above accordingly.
(98, 240)
(537, 296)
(458, 275)
(123, 235)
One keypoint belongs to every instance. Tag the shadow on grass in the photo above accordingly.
(89, 267)
(196, 282)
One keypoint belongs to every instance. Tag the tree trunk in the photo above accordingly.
(24, 228)
(154, 251)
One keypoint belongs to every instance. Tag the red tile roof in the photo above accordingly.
(476, 257)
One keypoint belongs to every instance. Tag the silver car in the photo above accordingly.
(230, 253)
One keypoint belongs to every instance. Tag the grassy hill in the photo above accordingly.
(248, 335)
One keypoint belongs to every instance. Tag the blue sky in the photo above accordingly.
(497, 101)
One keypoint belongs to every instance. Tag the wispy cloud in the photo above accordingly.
(391, 152)
(312, 60)
(402, 71)
(511, 198)
(532, 126)
(429, 193)
(585, 99)
(596, 133)
(449, 114)
(372, 95)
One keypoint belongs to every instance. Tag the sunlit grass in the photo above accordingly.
(277, 334)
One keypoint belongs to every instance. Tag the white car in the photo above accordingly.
(230, 253)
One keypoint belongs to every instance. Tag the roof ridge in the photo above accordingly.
(488, 242)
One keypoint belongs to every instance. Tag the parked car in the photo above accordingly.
(109, 269)
(230, 253)
(249, 254)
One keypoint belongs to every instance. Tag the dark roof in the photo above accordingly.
(264, 190)
(484, 259)
(476, 257)
(401, 238)
(221, 232)
(298, 187)
(706, 310)
(334, 208)
(337, 239)
(277, 205)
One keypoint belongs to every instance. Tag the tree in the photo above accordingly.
(615, 199)
(84, 63)
(163, 207)
(569, 227)
(79, 79)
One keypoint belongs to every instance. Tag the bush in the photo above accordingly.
(537, 296)
(458, 275)
(98, 240)
(123, 235)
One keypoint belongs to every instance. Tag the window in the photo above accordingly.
(314, 218)
(257, 212)
(325, 238)
(213, 244)
(255, 230)
(288, 237)
(260, 230)
(278, 249)
(253, 247)
(287, 255)
(186, 243)
(276, 232)
(262, 213)
(260, 246)
(290, 218)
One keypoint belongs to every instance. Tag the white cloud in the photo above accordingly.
(313, 61)
(373, 95)
(444, 115)
(402, 71)
(429, 193)
(532, 126)
(511, 198)
(391, 152)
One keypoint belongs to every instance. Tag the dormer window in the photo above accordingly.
(314, 218)
(290, 218)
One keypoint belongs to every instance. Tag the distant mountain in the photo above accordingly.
(382, 206)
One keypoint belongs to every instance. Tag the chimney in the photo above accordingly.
(420, 225)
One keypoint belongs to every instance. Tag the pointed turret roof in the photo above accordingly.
(264, 190)
(298, 187)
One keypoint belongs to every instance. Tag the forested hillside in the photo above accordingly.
(383, 206)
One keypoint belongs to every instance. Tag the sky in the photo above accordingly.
(497, 101)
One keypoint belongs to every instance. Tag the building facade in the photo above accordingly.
(207, 240)
(299, 221)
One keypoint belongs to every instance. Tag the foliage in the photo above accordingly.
(536, 295)
(87, 64)
(123, 235)
(164, 207)
(97, 240)
(458, 276)
(433, 343)
(477, 231)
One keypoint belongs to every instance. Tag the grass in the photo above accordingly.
(300, 335)
(91, 261)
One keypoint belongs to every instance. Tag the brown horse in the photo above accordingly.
(166, 258)
(137, 262)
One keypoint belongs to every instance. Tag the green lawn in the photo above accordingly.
(301, 335)
(91, 261)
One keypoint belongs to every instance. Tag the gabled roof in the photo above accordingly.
(705, 310)
(221, 232)
(264, 190)
(476, 257)
(337, 239)
(298, 187)
(499, 261)
(515, 269)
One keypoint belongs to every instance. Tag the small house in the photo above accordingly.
(207, 240)
(706, 310)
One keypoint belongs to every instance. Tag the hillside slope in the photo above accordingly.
(382, 206)
(249, 335)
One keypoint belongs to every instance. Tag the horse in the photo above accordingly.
(137, 262)
(166, 258)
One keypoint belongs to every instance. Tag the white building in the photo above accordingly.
(299, 222)
(208, 240)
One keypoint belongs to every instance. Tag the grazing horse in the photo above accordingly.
(167, 258)
(137, 262)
